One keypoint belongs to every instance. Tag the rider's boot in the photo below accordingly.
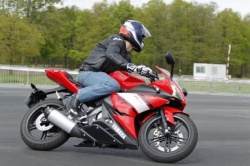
(73, 106)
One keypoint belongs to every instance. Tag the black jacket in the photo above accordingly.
(109, 55)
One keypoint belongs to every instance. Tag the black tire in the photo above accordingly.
(170, 148)
(44, 139)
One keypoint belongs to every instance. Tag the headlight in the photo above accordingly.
(176, 93)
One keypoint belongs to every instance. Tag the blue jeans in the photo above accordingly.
(97, 84)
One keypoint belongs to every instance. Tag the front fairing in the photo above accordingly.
(170, 86)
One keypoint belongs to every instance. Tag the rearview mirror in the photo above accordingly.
(170, 58)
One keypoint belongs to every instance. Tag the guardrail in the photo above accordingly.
(24, 76)
(240, 87)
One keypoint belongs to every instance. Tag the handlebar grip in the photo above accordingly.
(151, 76)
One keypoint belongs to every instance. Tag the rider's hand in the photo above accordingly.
(131, 67)
(141, 69)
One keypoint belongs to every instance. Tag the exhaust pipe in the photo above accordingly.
(61, 121)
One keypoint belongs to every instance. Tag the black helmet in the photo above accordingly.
(134, 32)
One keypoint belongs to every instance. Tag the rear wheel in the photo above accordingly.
(171, 147)
(37, 132)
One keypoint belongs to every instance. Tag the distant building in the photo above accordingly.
(209, 71)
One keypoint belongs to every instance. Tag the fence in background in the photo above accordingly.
(24, 76)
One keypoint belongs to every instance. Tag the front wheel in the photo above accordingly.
(171, 147)
(37, 132)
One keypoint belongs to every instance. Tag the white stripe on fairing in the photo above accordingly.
(135, 100)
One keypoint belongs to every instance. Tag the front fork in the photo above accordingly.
(164, 121)
(167, 115)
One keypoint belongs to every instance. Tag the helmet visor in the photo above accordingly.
(145, 32)
(141, 33)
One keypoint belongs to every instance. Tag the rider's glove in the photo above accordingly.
(141, 69)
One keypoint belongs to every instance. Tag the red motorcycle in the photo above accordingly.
(145, 115)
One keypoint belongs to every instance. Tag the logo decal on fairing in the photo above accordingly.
(135, 100)
(119, 131)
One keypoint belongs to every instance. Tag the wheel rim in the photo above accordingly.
(177, 139)
(39, 128)
(42, 124)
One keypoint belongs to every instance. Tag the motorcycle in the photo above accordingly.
(141, 115)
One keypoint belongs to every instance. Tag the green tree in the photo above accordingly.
(204, 37)
(36, 32)
(29, 8)
(180, 33)
(245, 69)
(18, 40)
(120, 13)
(233, 31)
(153, 15)
(58, 28)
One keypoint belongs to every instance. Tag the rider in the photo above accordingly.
(109, 55)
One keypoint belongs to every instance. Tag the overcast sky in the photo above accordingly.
(241, 6)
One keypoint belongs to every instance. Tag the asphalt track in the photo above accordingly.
(223, 124)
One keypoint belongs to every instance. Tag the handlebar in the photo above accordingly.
(152, 76)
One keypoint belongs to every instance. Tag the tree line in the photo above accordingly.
(39, 33)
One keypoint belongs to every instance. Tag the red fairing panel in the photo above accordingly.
(127, 123)
(168, 87)
(128, 119)
(163, 85)
(132, 104)
(141, 102)
(135, 101)
(126, 80)
(155, 101)
(122, 106)
(61, 78)
(169, 113)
